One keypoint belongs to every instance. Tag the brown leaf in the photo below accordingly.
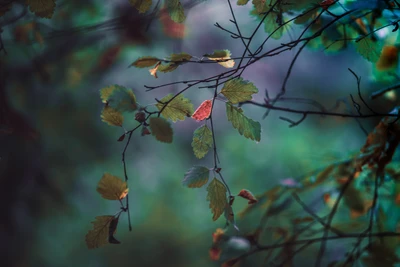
(248, 195)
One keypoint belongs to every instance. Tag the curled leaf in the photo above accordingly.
(223, 57)
(112, 229)
(248, 195)
(153, 71)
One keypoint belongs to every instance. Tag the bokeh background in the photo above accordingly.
(59, 147)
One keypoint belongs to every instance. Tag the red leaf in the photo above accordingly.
(215, 253)
(170, 27)
(248, 195)
(326, 3)
(203, 111)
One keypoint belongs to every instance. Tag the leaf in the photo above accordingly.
(153, 71)
(217, 197)
(237, 90)
(247, 127)
(388, 59)
(178, 109)
(203, 111)
(112, 116)
(121, 138)
(248, 195)
(176, 11)
(273, 26)
(42, 8)
(145, 62)
(112, 229)
(180, 57)
(141, 5)
(119, 98)
(168, 68)
(100, 234)
(369, 49)
(112, 187)
(260, 6)
(161, 129)
(222, 55)
(196, 177)
(242, 2)
(202, 141)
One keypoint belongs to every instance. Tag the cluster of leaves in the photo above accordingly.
(348, 190)
(104, 227)
(119, 100)
(349, 182)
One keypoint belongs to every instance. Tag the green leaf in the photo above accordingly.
(145, 62)
(217, 197)
(246, 126)
(202, 141)
(237, 90)
(112, 116)
(112, 187)
(271, 24)
(161, 129)
(100, 234)
(180, 57)
(141, 5)
(197, 176)
(178, 109)
(42, 8)
(168, 67)
(242, 2)
(176, 11)
(369, 49)
(119, 98)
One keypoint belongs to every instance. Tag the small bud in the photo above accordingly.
(145, 131)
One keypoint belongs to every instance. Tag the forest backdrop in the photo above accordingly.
(56, 56)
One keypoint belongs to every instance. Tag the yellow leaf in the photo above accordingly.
(112, 187)
(217, 197)
(42, 8)
(222, 55)
(178, 109)
(100, 234)
(112, 116)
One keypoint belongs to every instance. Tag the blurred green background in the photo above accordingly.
(50, 165)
